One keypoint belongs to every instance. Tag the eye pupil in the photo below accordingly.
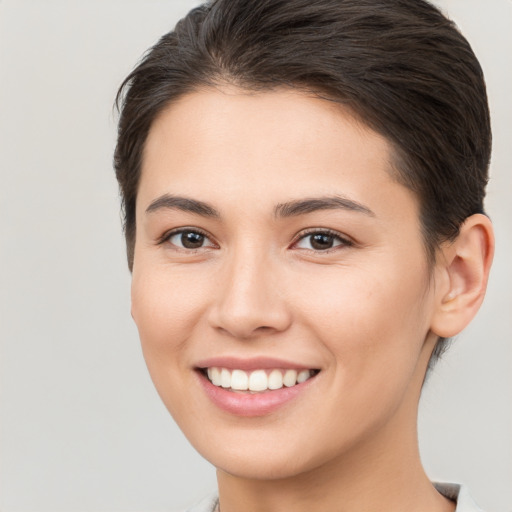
(322, 241)
(192, 240)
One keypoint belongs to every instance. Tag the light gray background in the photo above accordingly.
(81, 427)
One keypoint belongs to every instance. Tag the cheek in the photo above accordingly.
(373, 327)
(166, 307)
(368, 318)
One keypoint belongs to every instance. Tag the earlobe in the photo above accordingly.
(464, 269)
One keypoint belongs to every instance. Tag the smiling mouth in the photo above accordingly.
(256, 381)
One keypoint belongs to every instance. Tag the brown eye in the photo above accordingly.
(321, 241)
(189, 239)
(192, 240)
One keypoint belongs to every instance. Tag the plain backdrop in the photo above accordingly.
(82, 428)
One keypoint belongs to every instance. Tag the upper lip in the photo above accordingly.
(248, 364)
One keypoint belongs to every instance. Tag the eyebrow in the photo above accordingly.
(304, 206)
(282, 210)
(186, 204)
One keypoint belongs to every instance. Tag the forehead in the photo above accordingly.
(225, 142)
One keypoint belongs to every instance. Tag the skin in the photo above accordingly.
(366, 312)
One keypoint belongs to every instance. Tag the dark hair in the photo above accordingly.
(400, 66)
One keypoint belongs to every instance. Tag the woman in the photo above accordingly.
(303, 189)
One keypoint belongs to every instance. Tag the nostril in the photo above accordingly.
(264, 328)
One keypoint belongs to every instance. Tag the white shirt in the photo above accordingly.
(455, 492)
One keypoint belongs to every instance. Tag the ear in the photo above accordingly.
(462, 271)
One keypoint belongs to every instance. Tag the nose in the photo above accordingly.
(249, 301)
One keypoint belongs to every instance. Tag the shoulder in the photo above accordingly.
(459, 494)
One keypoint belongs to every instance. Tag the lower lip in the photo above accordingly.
(247, 404)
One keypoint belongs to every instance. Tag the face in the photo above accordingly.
(280, 285)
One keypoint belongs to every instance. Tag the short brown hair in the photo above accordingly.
(399, 65)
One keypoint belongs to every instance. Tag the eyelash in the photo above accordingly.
(344, 242)
(167, 236)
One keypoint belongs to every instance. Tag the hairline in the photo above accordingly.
(224, 82)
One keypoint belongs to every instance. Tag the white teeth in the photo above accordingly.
(303, 376)
(257, 380)
(215, 376)
(275, 380)
(239, 380)
(225, 378)
(290, 378)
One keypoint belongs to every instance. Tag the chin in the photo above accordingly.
(260, 457)
(261, 468)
